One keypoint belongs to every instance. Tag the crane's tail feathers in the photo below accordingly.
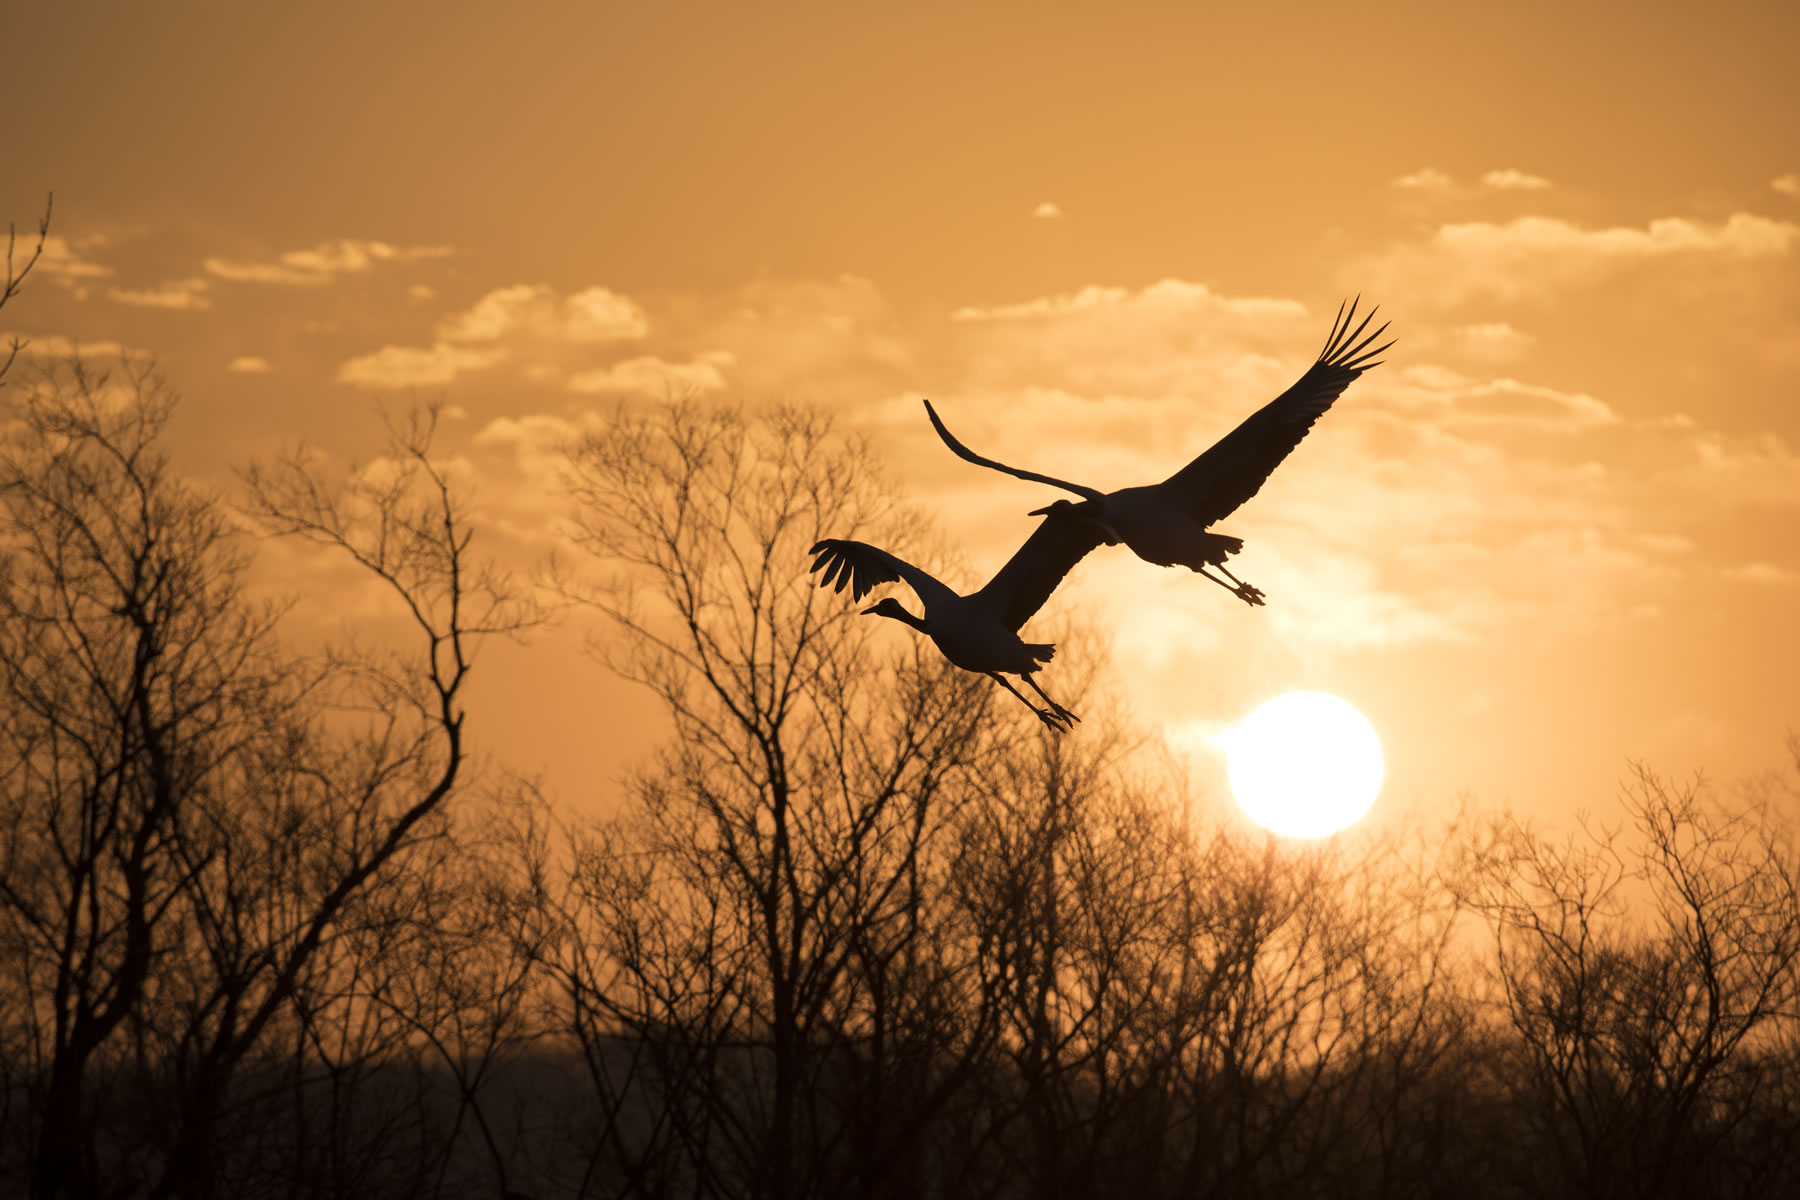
(963, 452)
(1342, 349)
(1225, 545)
(1041, 651)
(1208, 549)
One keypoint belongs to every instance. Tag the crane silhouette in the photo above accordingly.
(978, 632)
(1167, 523)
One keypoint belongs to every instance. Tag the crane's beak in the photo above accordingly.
(871, 610)
(1039, 512)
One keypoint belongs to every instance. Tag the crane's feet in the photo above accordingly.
(1237, 587)
(1057, 720)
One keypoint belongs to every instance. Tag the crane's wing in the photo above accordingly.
(962, 451)
(1020, 588)
(863, 567)
(1215, 484)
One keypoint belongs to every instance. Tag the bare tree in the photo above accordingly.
(364, 793)
(742, 924)
(212, 848)
(134, 680)
(17, 269)
(1640, 1038)
(1187, 1011)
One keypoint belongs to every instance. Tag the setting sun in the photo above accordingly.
(1304, 764)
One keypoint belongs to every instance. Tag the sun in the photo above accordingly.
(1304, 764)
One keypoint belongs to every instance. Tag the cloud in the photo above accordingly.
(1492, 340)
(594, 314)
(1532, 254)
(54, 345)
(1743, 234)
(248, 364)
(1426, 179)
(1163, 340)
(321, 264)
(1787, 185)
(64, 260)
(1169, 295)
(652, 376)
(818, 339)
(472, 339)
(1756, 470)
(525, 461)
(1761, 572)
(180, 294)
(1509, 179)
(413, 366)
(420, 291)
(1047, 211)
(1429, 506)
(1531, 407)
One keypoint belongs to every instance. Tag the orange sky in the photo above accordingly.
(1558, 529)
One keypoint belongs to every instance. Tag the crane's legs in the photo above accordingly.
(1243, 591)
(1053, 720)
(1055, 708)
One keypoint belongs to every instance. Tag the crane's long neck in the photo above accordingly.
(901, 615)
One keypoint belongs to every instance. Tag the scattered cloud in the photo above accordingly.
(1338, 601)
(1742, 234)
(420, 291)
(1755, 470)
(248, 364)
(65, 261)
(535, 446)
(1169, 339)
(491, 330)
(1534, 254)
(54, 345)
(1169, 294)
(815, 339)
(1787, 185)
(594, 314)
(1762, 572)
(1047, 211)
(1509, 179)
(1426, 179)
(413, 366)
(652, 376)
(179, 294)
(1492, 340)
(1527, 406)
(534, 432)
(321, 264)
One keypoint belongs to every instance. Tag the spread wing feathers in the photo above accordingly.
(1215, 484)
(864, 567)
(1020, 587)
(963, 452)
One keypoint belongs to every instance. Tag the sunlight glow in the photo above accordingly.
(1304, 764)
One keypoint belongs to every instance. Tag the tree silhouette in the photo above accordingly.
(1638, 977)
(195, 819)
(17, 268)
(749, 922)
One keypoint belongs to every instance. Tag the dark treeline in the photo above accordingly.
(858, 931)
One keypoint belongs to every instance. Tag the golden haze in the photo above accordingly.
(1556, 530)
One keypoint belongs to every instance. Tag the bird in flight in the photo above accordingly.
(978, 632)
(1167, 523)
